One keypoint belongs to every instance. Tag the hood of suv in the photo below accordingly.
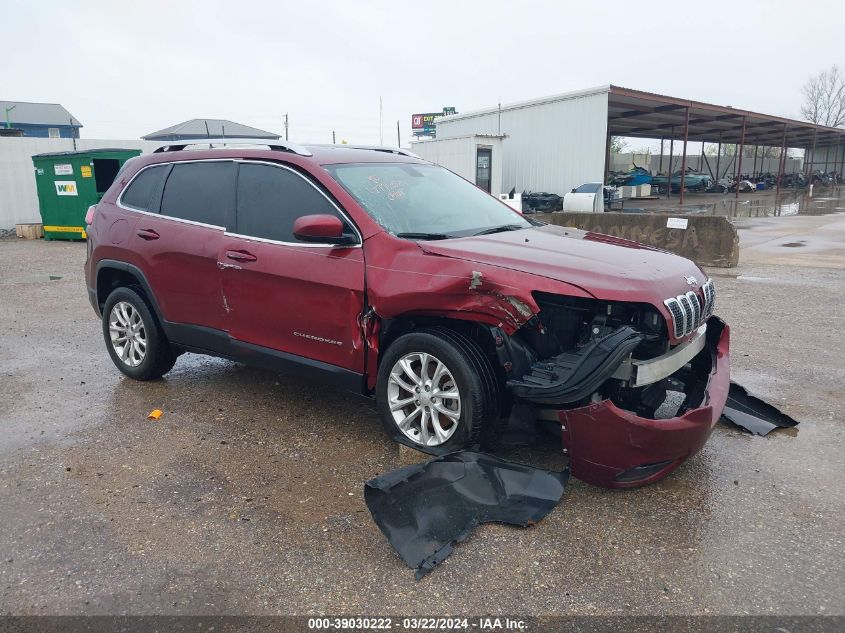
(609, 268)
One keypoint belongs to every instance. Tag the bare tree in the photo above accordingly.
(824, 98)
(617, 144)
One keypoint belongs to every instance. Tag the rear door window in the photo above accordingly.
(201, 192)
(144, 191)
(270, 199)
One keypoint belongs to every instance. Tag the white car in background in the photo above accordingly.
(588, 198)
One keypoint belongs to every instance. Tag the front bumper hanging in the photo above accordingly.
(611, 447)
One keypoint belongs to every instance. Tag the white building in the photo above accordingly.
(476, 157)
(557, 143)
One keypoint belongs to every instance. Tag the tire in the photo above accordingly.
(146, 361)
(465, 422)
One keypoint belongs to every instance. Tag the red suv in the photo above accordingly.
(397, 279)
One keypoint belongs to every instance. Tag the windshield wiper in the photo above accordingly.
(424, 236)
(500, 229)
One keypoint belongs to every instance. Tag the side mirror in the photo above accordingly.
(321, 228)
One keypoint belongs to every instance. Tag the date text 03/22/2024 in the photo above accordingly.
(413, 624)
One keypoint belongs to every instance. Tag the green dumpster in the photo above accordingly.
(69, 182)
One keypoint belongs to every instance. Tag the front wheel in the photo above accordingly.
(437, 392)
(135, 341)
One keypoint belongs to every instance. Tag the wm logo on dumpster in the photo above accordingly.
(66, 188)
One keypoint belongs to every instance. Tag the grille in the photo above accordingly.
(696, 306)
(691, 309)
(709, 290)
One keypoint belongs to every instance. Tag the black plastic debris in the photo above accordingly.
(752, 414)
(425, 509)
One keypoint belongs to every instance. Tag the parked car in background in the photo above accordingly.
(399, 280)
(587, 198)
(693, 181)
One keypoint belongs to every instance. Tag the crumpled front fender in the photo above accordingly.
(614, 448)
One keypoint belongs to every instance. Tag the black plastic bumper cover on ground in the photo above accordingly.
(752, 414)
(425, 509)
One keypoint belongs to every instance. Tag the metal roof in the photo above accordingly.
(505, 107)
(648, 115)
(206, 128)
(29, 113)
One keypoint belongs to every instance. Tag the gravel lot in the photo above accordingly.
(246, 496)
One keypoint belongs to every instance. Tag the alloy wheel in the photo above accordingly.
(424, 399)
(128, 333)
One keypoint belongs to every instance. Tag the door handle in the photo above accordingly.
(148, 234)
(241, 256)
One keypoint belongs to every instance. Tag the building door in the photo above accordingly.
(483, 171)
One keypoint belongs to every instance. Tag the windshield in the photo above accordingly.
(423, 201)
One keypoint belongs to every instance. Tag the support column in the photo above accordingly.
(660, 168)
(719, 158)
(754, 167)
(606, 158)
(842, 164)
(671, 151)
(782, 159)
(739, 157)
(684, 156)
(811, 163)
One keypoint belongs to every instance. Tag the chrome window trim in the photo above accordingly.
(119, 203)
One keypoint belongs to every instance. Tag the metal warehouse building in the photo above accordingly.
(559, 142)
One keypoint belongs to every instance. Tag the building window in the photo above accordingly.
(53, 132)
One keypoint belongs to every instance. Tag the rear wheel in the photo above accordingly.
(134, 338)
(436, 391)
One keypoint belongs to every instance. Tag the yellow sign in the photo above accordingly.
(85, 170)
(64, 229)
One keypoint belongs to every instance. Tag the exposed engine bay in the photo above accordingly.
(577, 351)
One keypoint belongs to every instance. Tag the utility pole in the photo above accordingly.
(380, 123)
(500, 115)
(398, 136)
(73, 133)
(286, 126)
(333, 141)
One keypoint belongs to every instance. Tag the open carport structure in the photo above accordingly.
(558, 142)
(640, 114)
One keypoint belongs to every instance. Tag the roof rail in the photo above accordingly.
(376, 148)
(275, 145)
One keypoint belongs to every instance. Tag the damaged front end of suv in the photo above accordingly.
(632, 406)
(614, 341)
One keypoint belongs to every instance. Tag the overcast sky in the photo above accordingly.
(129, 68)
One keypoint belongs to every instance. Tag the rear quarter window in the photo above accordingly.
(142, 193)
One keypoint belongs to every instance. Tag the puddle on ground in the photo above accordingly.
(28, 279)
(788, 203)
